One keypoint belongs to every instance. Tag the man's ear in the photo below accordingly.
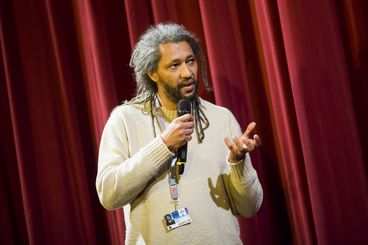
(153, 76)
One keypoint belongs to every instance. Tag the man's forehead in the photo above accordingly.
(175, 50)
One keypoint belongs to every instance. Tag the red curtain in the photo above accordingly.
(297, 68)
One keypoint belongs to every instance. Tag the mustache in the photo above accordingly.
(186, 82)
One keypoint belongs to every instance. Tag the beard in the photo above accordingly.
(175, 94)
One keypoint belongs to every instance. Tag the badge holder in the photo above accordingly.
(179, 217)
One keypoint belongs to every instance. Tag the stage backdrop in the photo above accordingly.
(297, 68)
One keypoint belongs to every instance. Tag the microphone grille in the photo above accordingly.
(183, 107)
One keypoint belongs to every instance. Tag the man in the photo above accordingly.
(137, 167)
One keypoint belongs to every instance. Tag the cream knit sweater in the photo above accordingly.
(133, 174)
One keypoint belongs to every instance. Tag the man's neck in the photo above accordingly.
(166, 103)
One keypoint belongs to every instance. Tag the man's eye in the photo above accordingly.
(173, 66)
(191, 61)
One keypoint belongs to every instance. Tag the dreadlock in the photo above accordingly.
(145, 58)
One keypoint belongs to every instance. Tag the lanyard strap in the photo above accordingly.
(175, 167)
(173, 175)
(173, 183)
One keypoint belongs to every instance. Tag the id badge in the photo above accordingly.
(177, 218)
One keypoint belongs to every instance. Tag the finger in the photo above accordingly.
(251, 145)
(189, 124)
(257, 139)
(245, 141)
(228, 144)
(238, 146)
(231, 145)
(249, 129)
(188, 138)
(188, 131)
(185, 118)
(242, 145)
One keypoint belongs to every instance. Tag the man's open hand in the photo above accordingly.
(238, 146)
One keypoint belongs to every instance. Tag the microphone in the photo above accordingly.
(183, 108)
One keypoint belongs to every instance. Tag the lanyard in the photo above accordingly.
(173, 175)
(173, 183)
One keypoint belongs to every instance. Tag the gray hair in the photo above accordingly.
(146, 54)
(145, 58)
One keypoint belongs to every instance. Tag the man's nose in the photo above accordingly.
(185, 71)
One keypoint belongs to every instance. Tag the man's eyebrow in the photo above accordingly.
(174, 61)
(191, 56)
(178, 60)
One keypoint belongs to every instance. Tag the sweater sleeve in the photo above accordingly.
(121, 177)
(245, 190)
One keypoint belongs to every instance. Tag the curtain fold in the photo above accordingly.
(285, 130)
(298, 69)
(325, 117)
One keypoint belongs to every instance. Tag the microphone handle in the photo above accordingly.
(182, 158)
(182, 153)
(184, 107)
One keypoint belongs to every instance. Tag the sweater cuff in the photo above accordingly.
(157, 152)
(243, 168)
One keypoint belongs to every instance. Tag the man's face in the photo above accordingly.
(176, 74)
